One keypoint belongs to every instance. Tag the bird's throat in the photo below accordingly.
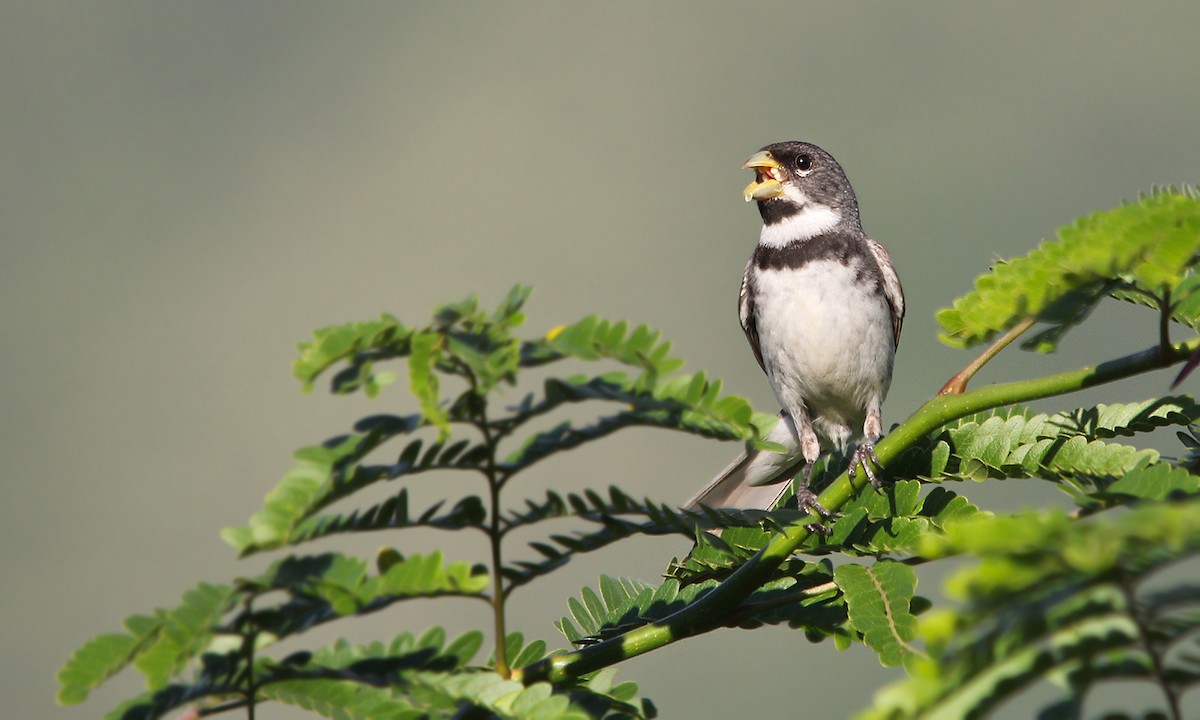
(803, 223)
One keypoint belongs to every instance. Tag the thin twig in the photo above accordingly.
(958, 384)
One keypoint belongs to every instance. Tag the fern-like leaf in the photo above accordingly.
(690, 403)
(878, 600)
(342, 584)
(392, 514)
(474, 341)
(1085, 600)
(344, 700)
(1152, 242)
(330, 345)
(1185, 299)
(324, 474)
(158, 645)
(611, 527)
(594, 338)
(807, 600)
(1071, 448)
(890, 523)
(94, 662)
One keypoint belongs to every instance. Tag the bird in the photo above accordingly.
(822, 308)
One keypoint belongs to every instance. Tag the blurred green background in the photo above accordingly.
(189, 188)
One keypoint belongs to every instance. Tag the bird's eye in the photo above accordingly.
(804, 163)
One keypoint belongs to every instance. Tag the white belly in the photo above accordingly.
(827, 345)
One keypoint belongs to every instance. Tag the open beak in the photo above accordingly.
(768, 181)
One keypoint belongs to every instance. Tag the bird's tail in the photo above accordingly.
(757, 478)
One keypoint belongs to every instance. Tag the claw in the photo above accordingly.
(865, 455)
(806, 501)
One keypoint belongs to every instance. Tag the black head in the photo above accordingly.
(794, 176)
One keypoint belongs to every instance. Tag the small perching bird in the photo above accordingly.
(822, 308)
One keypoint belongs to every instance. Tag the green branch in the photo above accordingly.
(712, 611)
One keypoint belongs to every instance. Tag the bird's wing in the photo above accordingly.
(891, 287)
(746, 315)
(757, 478)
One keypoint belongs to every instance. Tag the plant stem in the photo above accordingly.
(249, 640)
(1164, 321)
(1156, 657)
(958, 384)
(710, 611)
(495, 538)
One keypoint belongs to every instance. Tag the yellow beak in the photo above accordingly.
(768, 181)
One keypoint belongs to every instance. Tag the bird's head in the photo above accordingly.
(794, 178)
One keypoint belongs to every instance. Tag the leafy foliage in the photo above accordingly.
(478, 352)
(1076, 599)
(1085, 598)
(1147, 246)
(327, 473)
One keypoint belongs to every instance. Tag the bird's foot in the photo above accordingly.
(806, 501)
(865, 455)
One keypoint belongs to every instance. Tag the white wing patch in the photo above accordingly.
(743, 306)
(891, 286)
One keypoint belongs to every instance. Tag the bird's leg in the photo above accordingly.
(806, 499)
(865, 453)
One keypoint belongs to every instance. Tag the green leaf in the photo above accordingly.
(343, 582)
(325, 474)
(690, 403)
(1105, 421)
(531, 653)
(1185, 299)
(392, 514)
(425, 354)
(593, 338)
(426, 576)
(331, 345)
(159, 645)
(185, 631)
(94, 662)
(877, 600)
(409, 678)
(479, 341)
(710, 412)
(466, 646)
(344, 700)
(805, 599)
(1014, 443)
(660, 519)
(1085, 602)
(1156, 482)
(1150, 243)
